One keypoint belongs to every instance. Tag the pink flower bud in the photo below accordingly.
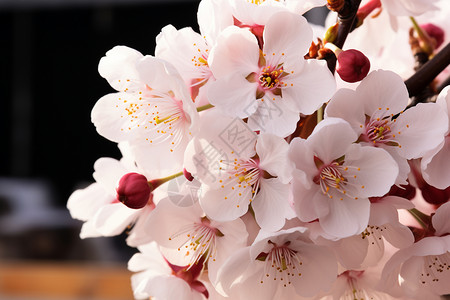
(352, 65)
(133, 190)
(434, 32)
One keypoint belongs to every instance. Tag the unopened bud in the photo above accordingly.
(434, 32)
(133, 190)
(352, 65)
(331, 34)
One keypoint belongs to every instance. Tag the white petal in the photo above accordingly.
(331, 139)
(234, 96)
(272, 152)
(288, 35)
(113, 219)
(213, 17)
(273, 116)
(318, 269)
(302, 156)
(119, 67)
(347, 217)
(271, 204)
(84, 203)
(374, 168)
(108, 172)
(436, 166)
(422, 128)
(231, 270)
(236, 52)
(222, 206)
(304, 201)
(111, 118)
(441, 219)
(346, 105)
(311, 87)
(385, 90)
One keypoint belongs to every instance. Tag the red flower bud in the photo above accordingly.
(434, 32)
(133, 190)
(352, 65)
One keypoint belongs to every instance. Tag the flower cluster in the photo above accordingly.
(251, 171)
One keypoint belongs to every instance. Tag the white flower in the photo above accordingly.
(283, 265)
(152, 110)
(271, 86)
(375, 112)
(238, 168)
(335, 177)
(185, 236)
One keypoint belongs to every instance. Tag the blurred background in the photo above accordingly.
(49, 52)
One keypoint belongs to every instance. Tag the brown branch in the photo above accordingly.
(346, 20)
(426, 74)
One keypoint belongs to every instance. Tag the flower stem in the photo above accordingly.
(425, 75)
(320, 114)
(154, 183)
(420, 217)
(204, 107)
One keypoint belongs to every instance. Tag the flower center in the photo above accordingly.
(281, 263)
(331, 178)
(379, 131)
(270, 77)
(247, 174)
(199, 241)
(169, 121)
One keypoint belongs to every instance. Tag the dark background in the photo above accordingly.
(49, 82)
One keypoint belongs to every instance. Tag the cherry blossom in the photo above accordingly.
(186, 236)
(238, 168)
(375, 110)
(273, 85)
(284, 265)
(152, 109)
(335, 177)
